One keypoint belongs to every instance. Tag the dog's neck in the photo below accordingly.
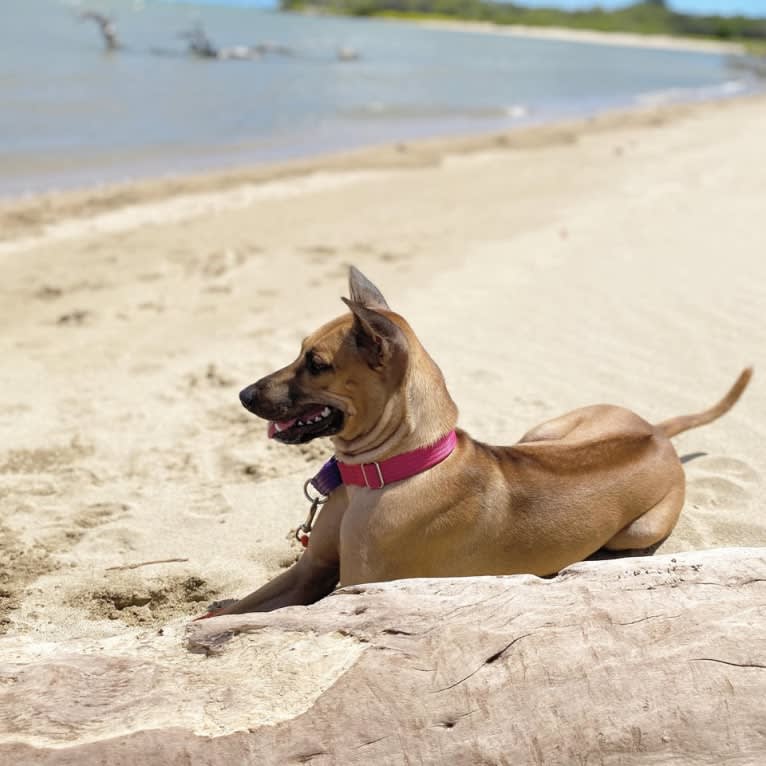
(419, 414)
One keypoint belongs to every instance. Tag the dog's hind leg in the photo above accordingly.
(653, 526)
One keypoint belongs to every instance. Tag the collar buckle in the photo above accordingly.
(367, 484)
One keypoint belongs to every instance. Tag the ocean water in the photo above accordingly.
(73, 115)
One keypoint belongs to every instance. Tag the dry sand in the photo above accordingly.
(620, 260)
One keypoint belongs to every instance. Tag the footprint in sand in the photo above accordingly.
(75, 318)
(211, 377)
(43, 460)
(715, 482)
(731, 467)
(95, 514)
(52, 293)
(232, 466)
(714, 492)
(269, 460)
(47, 293)
(222, 262)
(64, 528)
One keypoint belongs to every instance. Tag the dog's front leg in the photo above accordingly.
(313, 576)
(304, 583)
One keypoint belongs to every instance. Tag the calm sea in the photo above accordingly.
(73, 115)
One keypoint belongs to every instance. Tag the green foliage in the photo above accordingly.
(756, 48)
(648, 17)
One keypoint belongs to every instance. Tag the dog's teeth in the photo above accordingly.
(277, 427)
(325, 412)
(300, 423)
(317, 419)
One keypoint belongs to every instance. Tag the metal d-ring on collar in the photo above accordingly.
(320, 499)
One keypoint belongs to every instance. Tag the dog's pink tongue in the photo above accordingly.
(275, 426)
(279, 425)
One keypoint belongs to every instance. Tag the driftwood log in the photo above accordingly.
(634, 661)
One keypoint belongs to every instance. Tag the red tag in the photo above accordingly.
(304, 538)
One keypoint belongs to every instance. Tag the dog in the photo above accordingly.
(416, 497)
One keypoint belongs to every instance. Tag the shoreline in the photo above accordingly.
(121, 163)
(559, 34)
(571, 35)
(31, 219)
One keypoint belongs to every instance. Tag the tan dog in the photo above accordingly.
(598, 477)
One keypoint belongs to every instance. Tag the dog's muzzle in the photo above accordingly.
(291, 424)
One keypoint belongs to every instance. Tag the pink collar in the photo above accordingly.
(377, 475)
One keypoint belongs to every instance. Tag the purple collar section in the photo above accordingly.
(328, 479)
(377, 475)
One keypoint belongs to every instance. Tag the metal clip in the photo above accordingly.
(304, 530)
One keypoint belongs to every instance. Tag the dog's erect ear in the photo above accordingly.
(377, 337)
(363, 291)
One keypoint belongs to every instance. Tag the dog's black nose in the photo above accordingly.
(247, 396)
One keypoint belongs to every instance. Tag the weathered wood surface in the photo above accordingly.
(635, 661)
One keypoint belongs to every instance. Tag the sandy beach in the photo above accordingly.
(619, 259)
(591, 36)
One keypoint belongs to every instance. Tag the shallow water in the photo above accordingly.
(73, 115)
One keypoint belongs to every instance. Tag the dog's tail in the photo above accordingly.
(685, 422)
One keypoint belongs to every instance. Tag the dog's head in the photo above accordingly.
(347, 378)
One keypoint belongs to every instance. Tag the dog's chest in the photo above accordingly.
(373, 536)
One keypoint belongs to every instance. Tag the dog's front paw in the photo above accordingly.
(215, 608)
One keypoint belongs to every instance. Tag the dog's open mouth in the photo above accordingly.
(319, 420)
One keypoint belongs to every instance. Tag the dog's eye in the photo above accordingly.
(315, 365)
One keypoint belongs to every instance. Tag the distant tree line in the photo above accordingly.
(648, 17)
